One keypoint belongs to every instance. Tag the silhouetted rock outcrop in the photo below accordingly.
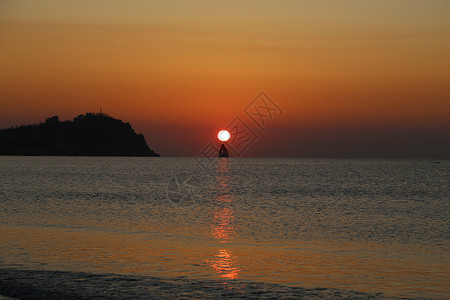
(87, 135)
(223, 152)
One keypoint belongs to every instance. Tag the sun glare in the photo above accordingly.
(223, 135)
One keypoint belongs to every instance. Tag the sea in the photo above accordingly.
(210, 228)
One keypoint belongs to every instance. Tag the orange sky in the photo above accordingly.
(180, 70)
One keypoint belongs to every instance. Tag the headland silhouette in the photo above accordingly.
(91, 134)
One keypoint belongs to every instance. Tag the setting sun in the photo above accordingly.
(223, 135)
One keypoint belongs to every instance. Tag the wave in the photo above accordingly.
(45, 284)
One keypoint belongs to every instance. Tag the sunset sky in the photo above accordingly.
(353, 78)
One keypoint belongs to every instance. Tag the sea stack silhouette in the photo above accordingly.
(223, 152)
(92, 134)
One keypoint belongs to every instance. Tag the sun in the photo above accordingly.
(223, 135)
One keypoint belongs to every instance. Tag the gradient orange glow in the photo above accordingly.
(380, 67)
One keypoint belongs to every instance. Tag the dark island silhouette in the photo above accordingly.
(92, 134)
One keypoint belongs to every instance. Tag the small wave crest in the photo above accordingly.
(43, 284)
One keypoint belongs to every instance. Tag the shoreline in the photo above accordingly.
(44, 284)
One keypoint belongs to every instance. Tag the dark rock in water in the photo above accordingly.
(223, 152)
(87, 135)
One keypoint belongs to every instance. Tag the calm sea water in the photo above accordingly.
(142, 227)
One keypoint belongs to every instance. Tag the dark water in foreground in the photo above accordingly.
(259, 228)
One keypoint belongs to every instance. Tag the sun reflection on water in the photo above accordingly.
(223, 229)
(224, 261)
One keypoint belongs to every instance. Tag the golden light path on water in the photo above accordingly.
(224, 262)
